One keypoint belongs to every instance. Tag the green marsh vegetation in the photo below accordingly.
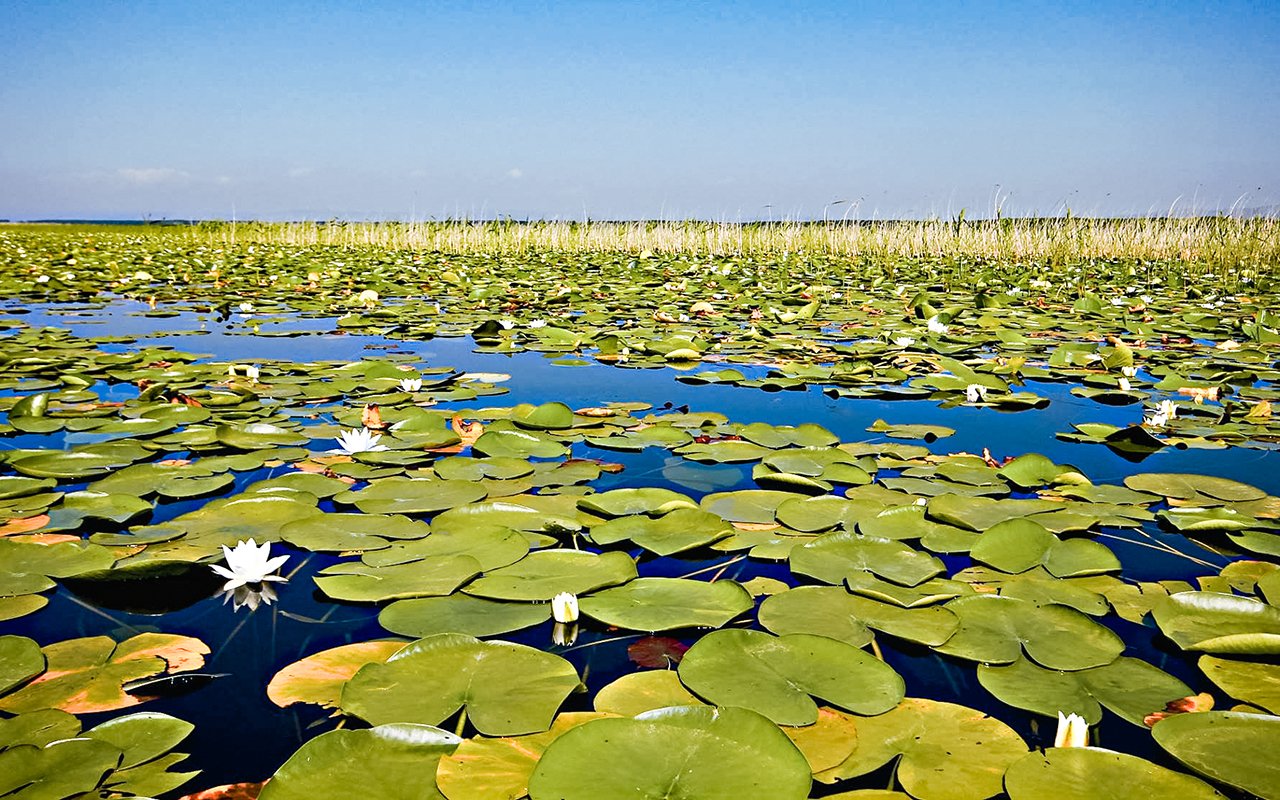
(799, 585)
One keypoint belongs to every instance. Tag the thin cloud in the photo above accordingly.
(150, 176)
(515, 173)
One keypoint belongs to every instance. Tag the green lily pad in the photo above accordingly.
(832, 612)
(428, 577)
(693, 751)
(638, 692)
(507, 689)
(542, 575)
(995, 630)
(1193, 487)
(20, 661)
(675, 532)
(87, 675)
(1128, 687)
(1230, 747)
(396, 762)
(483, 768)
(929, 433)
(68, 768)
(1087, 773)
(1214, 622)
(833, 557)
(1017, 545)
(625, 502)
(319, 677)
(414, 495)
(660, 604)
(944, 751)
(775, 675)
(1254, 682)
(460, 613)
(518, 444)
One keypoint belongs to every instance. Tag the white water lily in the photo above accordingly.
(975, 393)
(248, 596)
(935, 326)
(1168, 409)
(1161, 416)
(410, 384)
(368, 298)
(564, 634)
(248, 564)
(358, 440)
(246, 308)
(249, 371)
(1128, 372)
(904, 341)
(1124, 384)
(564, 608)
(507, 324)
(1073, 731)
(538, 323)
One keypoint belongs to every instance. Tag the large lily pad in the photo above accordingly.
(1226, 746)
(660, 604)
(88, 675)
(542, 575)
(1129, 687)
(1254, 682)
(835, 557)
(396, 762)
(682, 529)
(319, 677)
(460, 613)
(507, 689)
(1087, 773)
(995, 629)
(947, 751)
(831, 611)
(692, 751)
(775, 675)
(1214, 622)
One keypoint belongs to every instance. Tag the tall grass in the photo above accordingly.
(1211, 240)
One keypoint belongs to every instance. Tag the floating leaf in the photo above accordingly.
(775, 675)
(395, 762)
(1226, 746)
(695, 752)
(319, 678)
(507, 689)
(660, 604)
(1086, 773)
(1214, 622)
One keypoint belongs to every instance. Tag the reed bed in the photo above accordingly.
(1212, 240)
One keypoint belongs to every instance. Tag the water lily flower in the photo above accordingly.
(1168, 409)
(538, 323)
(1124, 384)
(507, 324)
(936, 326)
(564, 634)
(975, 393)
(1128, 372)
(246, 308)
(368, 298)
(358, 440)
(249, 564)
(564, 607)
(249, 596)
(904, 341)
(249, 371)
(410, 384)
(1073, 731)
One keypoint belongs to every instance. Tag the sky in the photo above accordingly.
(648, 110)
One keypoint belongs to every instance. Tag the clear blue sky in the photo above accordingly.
(281, 110)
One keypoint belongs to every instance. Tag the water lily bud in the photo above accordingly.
(564, 607)
(1073, 731)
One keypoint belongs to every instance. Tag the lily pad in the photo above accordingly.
(396, 762)
(542, 575)
(319, 678)
(1226, 746)
(460, 613)
(944, 751)
(995, 630)
(507, 689)
(1129, 687)
(831, 611)
(775, 675)
(1087, 773)
(1214, 622)
(695, 752)
(660, 604)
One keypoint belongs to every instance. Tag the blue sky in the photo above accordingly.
(746, 110)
